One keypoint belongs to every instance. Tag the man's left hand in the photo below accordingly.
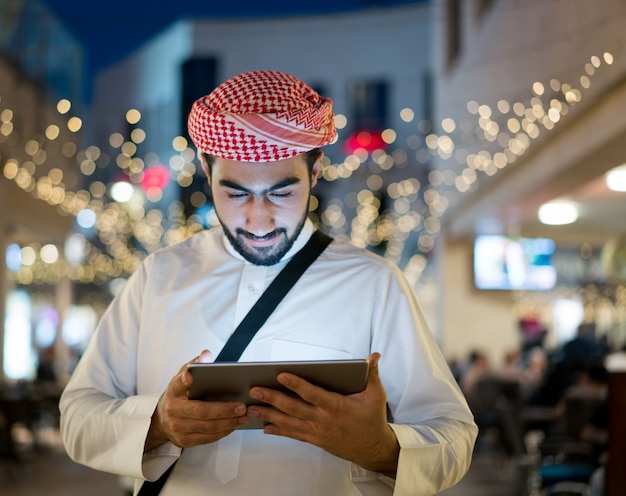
(353, 427)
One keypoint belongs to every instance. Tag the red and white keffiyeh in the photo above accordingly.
(261, 116)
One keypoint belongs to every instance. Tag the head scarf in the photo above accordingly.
(261, 116)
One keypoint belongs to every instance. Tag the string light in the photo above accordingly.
(502, 134)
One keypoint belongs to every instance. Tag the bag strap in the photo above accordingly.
(255, 318)
(272, 296)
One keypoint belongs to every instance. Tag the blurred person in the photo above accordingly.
(532, 333)
(455, 367)
(493, 394)
(577, 444)
(592, 382)
(512, 360)
(566, 367)
(46, 369)
(478, 366)
(533, 371)
(125, 408)
(584, 403)
(528, 373)
(582, 346)
(45, 393)
(512, 365)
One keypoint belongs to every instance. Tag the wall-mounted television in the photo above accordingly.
(513, 263)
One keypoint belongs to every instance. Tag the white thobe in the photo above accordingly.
(191, 297)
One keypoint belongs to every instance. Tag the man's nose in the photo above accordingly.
(260, 218)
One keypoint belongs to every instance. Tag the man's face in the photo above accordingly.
(262, 206)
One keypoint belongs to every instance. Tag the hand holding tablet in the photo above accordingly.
(228, 381)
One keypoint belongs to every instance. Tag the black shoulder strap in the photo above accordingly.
(255, 318)
(272, 296)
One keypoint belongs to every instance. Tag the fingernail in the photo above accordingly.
(253, 412)
(255, 393)
(240, 410)
(205, 356)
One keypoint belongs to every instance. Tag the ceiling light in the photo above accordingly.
(616, 178)
(558, 213)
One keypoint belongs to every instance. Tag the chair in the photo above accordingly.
(566, 461)
(497, 405)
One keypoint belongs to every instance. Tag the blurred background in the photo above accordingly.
(482, 148)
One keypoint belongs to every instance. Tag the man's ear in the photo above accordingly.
(316, 170)
(205, 167)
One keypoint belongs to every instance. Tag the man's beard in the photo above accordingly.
(263, 255)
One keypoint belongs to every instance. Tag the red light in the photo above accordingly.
(368, 140)
(155, 177)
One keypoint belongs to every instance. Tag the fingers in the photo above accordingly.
(373, 360)
(292, 415)
(372, 374)
(331, 421)
(317, 395)
(309, 403)
(216, 418)
(313, 404)
(190, 422)
(181, 382)
(374, 387)
(205, 357)
(199, 422)
(190, 431)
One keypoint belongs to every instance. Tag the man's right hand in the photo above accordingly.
(188, 423)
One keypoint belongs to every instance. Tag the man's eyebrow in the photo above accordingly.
(284, 183)
(280, 184)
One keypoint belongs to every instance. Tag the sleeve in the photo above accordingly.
(431, 419)
(104, 423)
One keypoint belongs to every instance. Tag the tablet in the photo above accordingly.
(231, 381)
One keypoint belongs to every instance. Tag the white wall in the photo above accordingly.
(472, 318)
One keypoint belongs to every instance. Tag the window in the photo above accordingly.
(199, 78)
(369, 103)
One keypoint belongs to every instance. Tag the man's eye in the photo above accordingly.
(237, 195)
(277, 194)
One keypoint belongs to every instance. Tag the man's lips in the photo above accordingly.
(260, 241)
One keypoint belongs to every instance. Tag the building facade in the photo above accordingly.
(40, 74)
(529, 100)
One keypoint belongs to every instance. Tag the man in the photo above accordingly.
(125, 409)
